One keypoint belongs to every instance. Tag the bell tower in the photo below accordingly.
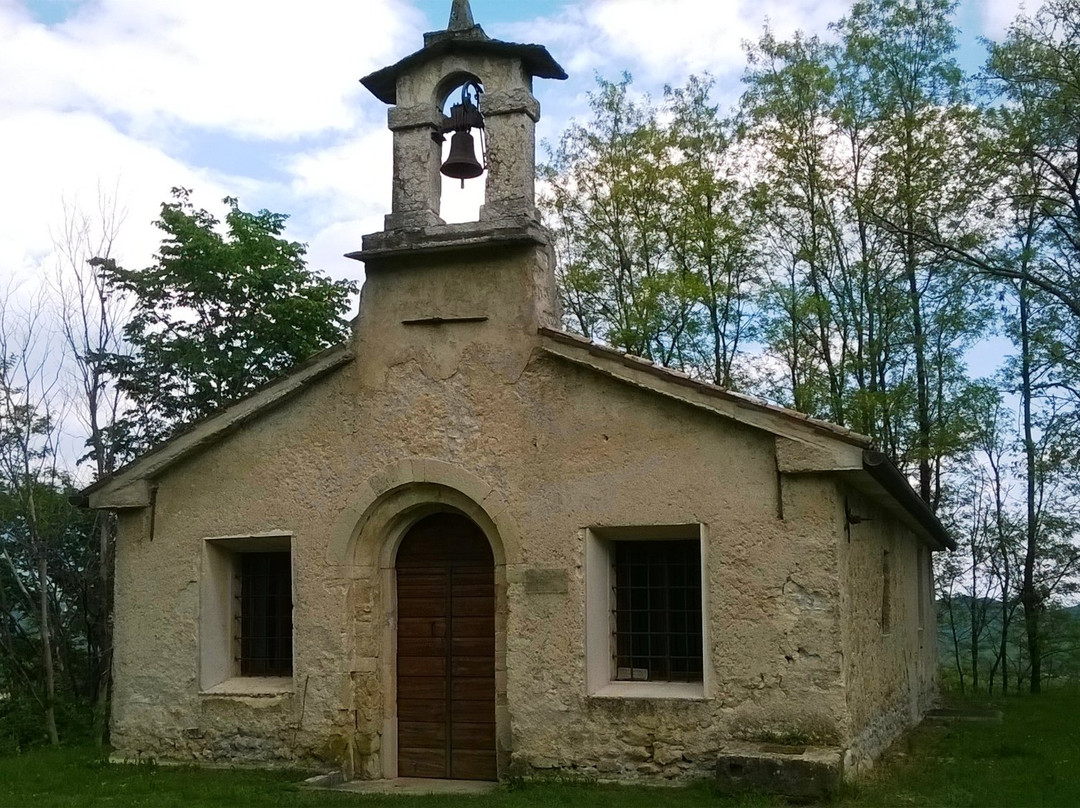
(429, 283)
(417, 87)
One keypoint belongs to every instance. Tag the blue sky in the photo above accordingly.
(260, 99)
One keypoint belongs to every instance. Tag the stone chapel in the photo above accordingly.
(469, 544)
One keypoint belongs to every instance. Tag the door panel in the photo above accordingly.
(446, 651)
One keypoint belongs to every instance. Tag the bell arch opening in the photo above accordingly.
(463, 172)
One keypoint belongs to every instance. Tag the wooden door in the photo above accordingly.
(446, 651)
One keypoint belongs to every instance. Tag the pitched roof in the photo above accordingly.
(862, 466)
(462, 36)
(869, 471)
(748, 404)
(207, 430)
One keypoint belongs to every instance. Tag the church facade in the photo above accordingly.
(468, 544)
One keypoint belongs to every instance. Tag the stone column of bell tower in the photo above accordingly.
(429, 283)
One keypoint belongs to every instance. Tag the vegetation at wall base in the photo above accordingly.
(1028, 759)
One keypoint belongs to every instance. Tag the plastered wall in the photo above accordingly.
(891, 661)
(538, 450)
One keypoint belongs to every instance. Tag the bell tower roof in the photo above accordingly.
(461, 37)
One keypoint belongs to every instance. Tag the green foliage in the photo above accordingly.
(651, 228)
(852, 228)
(218, 315)
(50, 604)
(859, 141)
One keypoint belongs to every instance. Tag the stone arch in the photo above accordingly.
(364, 544)
(388, 502)
(452, 81)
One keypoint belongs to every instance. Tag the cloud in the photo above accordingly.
(263, 70)
(128, 89)
(50, 158)
(664, 42)
(119, 93)
(997, 15)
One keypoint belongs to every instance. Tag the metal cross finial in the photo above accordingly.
(461, 18)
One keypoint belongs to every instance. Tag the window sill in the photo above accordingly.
(694, 691)
(252, 687)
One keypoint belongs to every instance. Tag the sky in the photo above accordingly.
(260, 100)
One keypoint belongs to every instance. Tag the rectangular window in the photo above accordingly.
(657, 614)
(245, 615)
(645, 601)
(265, 615)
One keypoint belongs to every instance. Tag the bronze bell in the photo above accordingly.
(461, 163)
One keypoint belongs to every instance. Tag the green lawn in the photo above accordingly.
(1030, 759)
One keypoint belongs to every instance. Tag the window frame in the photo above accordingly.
(219, 615)
(600, 651)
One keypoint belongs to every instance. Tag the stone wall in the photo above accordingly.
(475, 417)
(890, 659)
(560, 449)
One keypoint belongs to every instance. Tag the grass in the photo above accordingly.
(1032, 758)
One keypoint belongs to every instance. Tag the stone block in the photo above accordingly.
(798, 773)
(546, 582)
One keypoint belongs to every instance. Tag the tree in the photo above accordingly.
(91, 320)
(851, 138)
(652, 229)
(603, 201)
(787, 112)
(1035, 254)
(28, 468)
(217, 315)
(923, 124)
(709, 220)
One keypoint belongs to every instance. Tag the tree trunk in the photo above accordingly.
(46, 649)
(922, 385)
(976, 629)
(1028, 596)
(106, 534)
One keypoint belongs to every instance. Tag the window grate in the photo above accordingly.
(657, 611)
(265, 639)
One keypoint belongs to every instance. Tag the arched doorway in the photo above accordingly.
(446, 650)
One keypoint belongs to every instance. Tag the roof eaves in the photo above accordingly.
(875, 464)
(382, 83)
(219, 422)
(888, 476)
(684, 379)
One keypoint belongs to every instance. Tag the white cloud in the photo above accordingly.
(256, 68)
(664, 42)
(50, 157)
(997, 15)
(123, 89)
